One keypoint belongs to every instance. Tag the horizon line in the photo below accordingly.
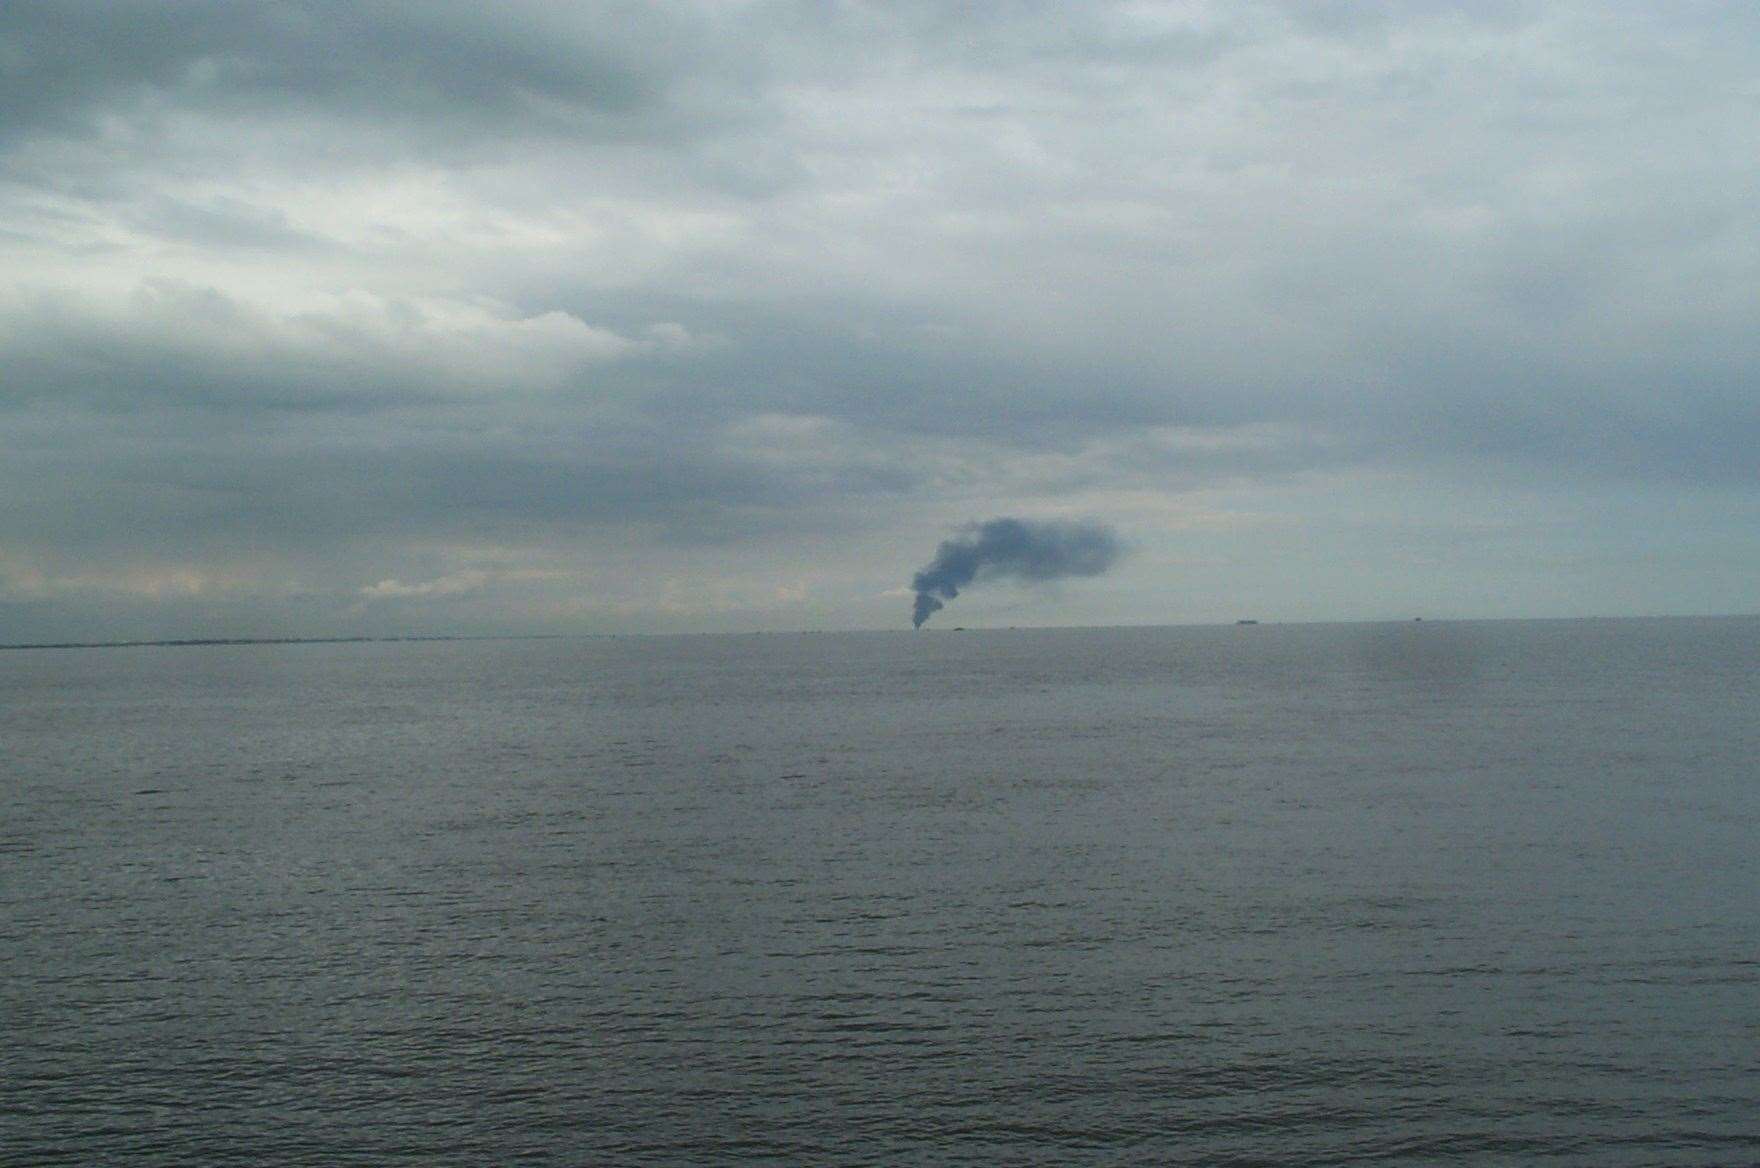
(210, 642)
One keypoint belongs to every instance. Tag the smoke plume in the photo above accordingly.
(1021, 549)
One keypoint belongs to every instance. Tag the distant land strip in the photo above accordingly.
(253, 641)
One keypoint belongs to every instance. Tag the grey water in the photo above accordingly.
(1403, 893)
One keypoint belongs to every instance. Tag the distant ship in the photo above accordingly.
(1246, 622)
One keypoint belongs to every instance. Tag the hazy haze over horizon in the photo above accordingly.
(385, 319)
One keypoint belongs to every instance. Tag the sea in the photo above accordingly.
(1406, 893)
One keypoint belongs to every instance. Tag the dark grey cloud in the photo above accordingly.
(519, 68)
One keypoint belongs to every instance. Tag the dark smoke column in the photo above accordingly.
(1019, 549)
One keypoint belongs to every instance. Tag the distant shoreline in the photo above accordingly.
(198, 641)
(191, 642)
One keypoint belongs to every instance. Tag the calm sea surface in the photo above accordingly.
(1475, 893)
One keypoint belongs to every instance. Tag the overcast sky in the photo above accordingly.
(426, 317)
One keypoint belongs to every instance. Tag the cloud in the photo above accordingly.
(299, 293)
(458, 584)
(178, 344)
(523, 66)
